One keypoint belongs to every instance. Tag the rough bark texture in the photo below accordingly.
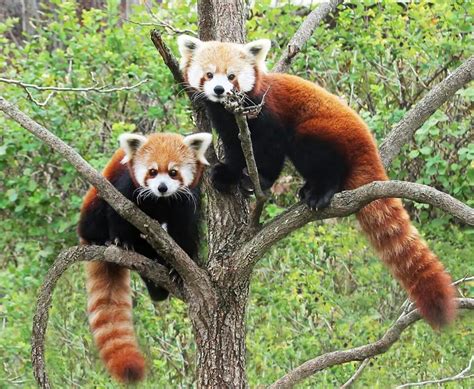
(220, 337)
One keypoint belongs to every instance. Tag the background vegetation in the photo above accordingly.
(320, 289)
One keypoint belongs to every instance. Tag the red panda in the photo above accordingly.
(329, 145)
(159, 173)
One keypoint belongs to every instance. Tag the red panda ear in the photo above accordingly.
(258, 50)
(130, 143)
(199, 143)
(187, 45)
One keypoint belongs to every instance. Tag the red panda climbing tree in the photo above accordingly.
(217, 290)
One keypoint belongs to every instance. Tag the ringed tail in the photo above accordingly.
(110, 318)
(398, 243)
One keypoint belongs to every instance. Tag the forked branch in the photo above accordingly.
(344, 204)
(193, 276)
(359, 353)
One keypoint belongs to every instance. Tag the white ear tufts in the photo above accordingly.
(199, 143)
(130, 143)
(259, 50)
(187, 45)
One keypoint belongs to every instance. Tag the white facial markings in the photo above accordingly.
(246, 79)
(195, 73)
(187, 174)
(218, 80)
(163, 179)
(140, 170)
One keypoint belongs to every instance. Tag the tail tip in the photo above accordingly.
(128, 370)
(438, 307)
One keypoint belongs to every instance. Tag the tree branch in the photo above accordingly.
(356, 375)
(304, 33)
(458, 377)
(193, 276)
(200, 116)
(414, 119)
(359, 353)
(94, 88)
(247, 149)
(344, 204)
(111, 254)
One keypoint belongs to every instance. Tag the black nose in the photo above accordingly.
(218, 90)
(162, 188)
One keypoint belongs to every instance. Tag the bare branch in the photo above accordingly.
(414, 119)
(198, 107)
(95, 88)
(235, 103)
(247, 149)
(194, 277)
(304, 33)
(458, 377)
(167, 56)
(359, 353)
(344, 204)
(356, 375)
(112, 254)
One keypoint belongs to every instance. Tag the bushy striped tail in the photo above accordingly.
(110, 318)
(398, 243)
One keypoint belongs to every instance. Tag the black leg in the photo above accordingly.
(321, 166)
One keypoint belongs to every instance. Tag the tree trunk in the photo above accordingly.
(220, 340)
(219, 326)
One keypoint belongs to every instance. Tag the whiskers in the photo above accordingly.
(143, 194)
(187, 194)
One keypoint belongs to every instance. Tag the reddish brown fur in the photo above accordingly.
(111, 322)
(108, 285)
(314, 111)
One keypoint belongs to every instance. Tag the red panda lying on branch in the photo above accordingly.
(329, 145)
(160, 174)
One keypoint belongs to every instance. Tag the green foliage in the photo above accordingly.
(332, 293)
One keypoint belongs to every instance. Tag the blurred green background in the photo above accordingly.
(319, 290)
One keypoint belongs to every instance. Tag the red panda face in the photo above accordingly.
(217, 68)
(165, 164)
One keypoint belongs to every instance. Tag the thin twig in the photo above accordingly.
(235, 103)
(356, 375)
(458, 377)
(304, 33)
(359, 353)
(95, 88)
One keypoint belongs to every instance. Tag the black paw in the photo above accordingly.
(224, 178)
(316, 199)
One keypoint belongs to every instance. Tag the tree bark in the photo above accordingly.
(220, 334)
(220, 340)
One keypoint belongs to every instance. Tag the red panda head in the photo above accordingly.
(165, 164)
(217, 68)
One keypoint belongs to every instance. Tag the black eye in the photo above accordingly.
(152, 172)
(173, 173)
(231, 77)
(209, 75)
